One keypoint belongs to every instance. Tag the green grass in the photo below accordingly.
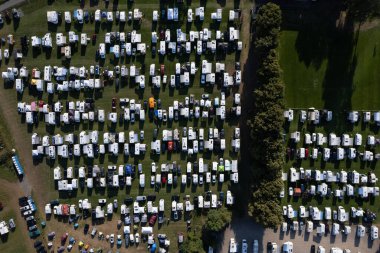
(303, 84)
(343, 79)
(310, 84)
(35, 23)
(367, 76)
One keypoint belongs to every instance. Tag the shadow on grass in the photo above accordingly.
(326, 32)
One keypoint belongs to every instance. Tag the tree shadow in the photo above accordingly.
(326, 33)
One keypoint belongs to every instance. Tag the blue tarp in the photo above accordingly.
(128, 169)
(153, 248)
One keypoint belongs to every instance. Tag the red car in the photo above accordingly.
(163, 179)
(162, 69)
(170, 146)
(152, 220)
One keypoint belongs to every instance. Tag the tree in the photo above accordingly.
(217, 219)
(193, 243)
(269, 69)
(268, 19)
(361, 10)
(266, 212)
(267, 120)
(267, 28)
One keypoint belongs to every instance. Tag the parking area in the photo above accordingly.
(245, 228)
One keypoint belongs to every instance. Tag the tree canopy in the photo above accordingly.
(193, 243)
(217, 219)
(266, 122)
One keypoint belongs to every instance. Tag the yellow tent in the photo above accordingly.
(34, 81)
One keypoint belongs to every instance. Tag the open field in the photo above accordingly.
(327, 61)
(40, 175)
(307, 85)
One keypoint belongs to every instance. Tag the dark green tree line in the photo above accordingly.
(267, 120)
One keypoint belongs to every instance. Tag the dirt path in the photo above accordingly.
(21, 141)
(11, 3)
(245, 89)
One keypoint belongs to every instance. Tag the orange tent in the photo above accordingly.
(297, 192)
(151, 103)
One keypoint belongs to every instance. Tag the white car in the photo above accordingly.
(374, 232)
(237, 99)
(287, 247)
(291, 191)
(137, 237)
(112, 238)
(282, 193)
(131, 238)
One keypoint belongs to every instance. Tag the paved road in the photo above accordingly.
(10, 4)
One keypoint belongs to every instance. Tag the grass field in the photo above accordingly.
(310, 85)
(340, 74)
(34, 23)
(7, 170)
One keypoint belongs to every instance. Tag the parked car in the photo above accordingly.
(137, 238)
(244, 246)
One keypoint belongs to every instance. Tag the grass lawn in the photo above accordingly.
(311, 85)
(7, 170)
(338, 83)
(34, 23)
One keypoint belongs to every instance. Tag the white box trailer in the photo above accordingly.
(67, 17)
(161, 206)
(90, 182)
(214, 201)
(158, 179)
(200, 201)
(115, 181)
(142, 180)
(162, 47)
(128, 181)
